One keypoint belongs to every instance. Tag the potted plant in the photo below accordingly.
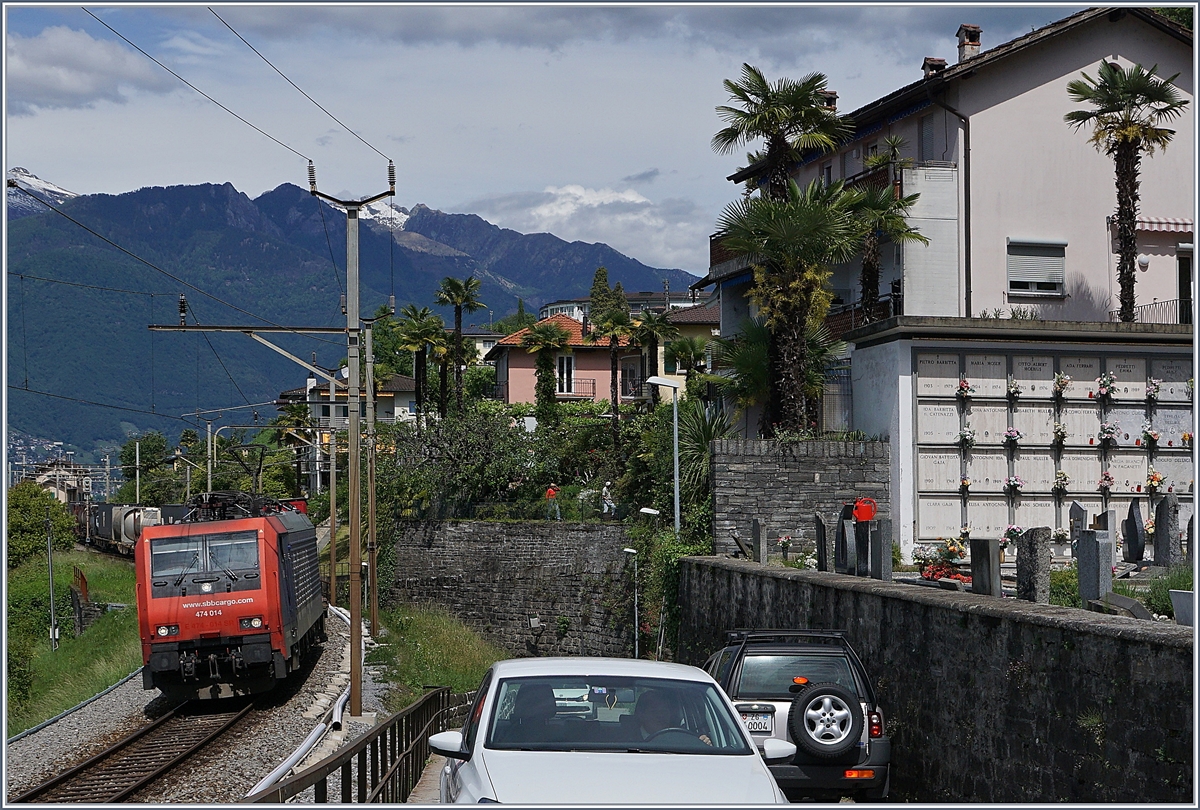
(965, 389)
(1061, 481)
(1061, 383)
(1149, 435)
(1012, 436)
(966, 436)
(1106, 482)
(1152, 388)
(1059, 434)
(1014, 484)
(1106, 386)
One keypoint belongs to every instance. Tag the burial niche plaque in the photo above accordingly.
(1035, 375)
(1083, 372)
(937, 375)
(988, 373)
(937, 422)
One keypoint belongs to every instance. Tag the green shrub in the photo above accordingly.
(20, 670)
(1158, 598)
(897, 556)
(1064, 588)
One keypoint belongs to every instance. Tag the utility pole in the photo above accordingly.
(332, 492)
(353, 325)
(106, 484)
(137, 471)
(372, 575)
(50, 565)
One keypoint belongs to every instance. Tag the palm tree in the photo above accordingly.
(614, 326)
(790, 245)
(790, 116)
(699, 426)
(416, 331)
(743, 362)
(881, 214)
(440, 351)
(687, 353)
(1129, 108)
(650, 329)
(288, 430)
(545, 340)
(822, 351)
(463, 295)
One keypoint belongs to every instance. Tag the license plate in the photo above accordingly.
(762, 723)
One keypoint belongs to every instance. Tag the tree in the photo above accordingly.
(744, 366)
(650, 329)
(789, 245)
(1128, 110)
(1183, 16)
(387, 338)
(821, 350)
(881, 215)
(545, 340)
(417, 332)
(791, 117)
(28, 508)
(515, 323)
(612, 326)
(463, 295)
(687, 353)
(290, 430)
(699, 426)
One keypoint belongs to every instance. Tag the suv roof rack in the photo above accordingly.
(747, 635)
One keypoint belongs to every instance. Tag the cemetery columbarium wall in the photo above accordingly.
(986, 699)
(572, 577)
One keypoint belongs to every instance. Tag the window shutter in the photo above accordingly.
(1037, 263)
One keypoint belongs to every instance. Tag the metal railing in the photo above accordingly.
(633, 386)
(1174, 310)
(499, 391)
(581, 388)
(841, 319)
(383, 766)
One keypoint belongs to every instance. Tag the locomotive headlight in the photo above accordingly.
(254, 622)
(163, 629)
(167, 630)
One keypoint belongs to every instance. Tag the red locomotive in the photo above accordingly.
(229, 600)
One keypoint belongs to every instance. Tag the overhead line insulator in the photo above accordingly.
(312, 178)
(392, 176)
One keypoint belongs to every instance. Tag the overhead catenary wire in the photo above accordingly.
(192, 86)
(166, 273)
(24, 276)
(298, 88)
(102, 404)
(219, 360)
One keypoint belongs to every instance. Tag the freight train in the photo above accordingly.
(229, 599)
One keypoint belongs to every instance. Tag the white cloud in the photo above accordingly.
(671, 233)
(65, 68)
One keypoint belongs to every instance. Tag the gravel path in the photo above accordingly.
(224, 774)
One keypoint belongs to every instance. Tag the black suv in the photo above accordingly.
(809, 687)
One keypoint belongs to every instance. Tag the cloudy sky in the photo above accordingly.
(592, 123)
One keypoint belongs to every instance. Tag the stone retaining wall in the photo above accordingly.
(985, 699)
(574, 577)
(785, 484)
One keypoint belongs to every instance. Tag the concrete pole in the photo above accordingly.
(209, 454)
(50, 565)
(372, 575)
(675, 417)
(137, 467)
(352, 354)
(332, 493)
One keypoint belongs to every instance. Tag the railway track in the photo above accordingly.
(117, 772)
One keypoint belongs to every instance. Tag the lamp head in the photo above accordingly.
(657, 380)
(632, 551)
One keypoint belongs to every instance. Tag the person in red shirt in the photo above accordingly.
(552, 509)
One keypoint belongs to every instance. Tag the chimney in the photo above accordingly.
(968, 41)
(830, 97)
(583, 329)
(932, 65)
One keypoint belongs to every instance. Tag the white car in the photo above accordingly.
(604, 731)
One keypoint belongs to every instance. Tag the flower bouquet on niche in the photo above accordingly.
(966, 436)
(1059, 434)
(1061, 537)
(965, 389)
(1106, 386)
(1187, 438)
(1150, 436)
(1011, 535)
(938, 562)
(1154, 480)
(1012, 436)
(1153, 385)
(1061, 482)
(1106, 482)
(964, 485)
(1014, 484)
(1061, 383)
(1149, 526)
(1014, 388)
(1108, 432)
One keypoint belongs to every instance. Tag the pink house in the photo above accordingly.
(582, 370)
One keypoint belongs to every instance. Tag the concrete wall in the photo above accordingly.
(985, 699)
(784, 485)
(495, 576)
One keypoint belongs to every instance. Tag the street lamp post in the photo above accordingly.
(633, 553)
(674, 386)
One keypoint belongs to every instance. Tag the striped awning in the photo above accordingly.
(1169, 224)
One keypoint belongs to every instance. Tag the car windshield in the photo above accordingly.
(203, 553)
(621, 714)
(768, 676)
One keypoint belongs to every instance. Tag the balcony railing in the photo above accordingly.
(841, 319)
(633, 386)
(579, 388)
(498, 392)
(1175, 310)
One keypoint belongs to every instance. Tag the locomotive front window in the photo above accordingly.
(236, 551)
(204, 553)
(171, 556)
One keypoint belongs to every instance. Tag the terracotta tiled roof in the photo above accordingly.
(397, 384)
(702, 314)
(573, 328)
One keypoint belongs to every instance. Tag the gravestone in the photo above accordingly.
(1134, 532)
(862, 547)
(985, 566)
(843, 550)
(1118, 605)
(1076, 520)
(822, 548)
(760, 554)
(1167, 551)
(1094, 564)
(1033, 565)
(881, 549)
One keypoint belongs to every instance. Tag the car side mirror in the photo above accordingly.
(775, 750)
(450, 744)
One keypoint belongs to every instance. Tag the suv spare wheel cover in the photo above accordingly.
(826, 720)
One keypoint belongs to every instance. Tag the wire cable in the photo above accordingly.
(24, 335)
(170, 275)
(197, 89)
(152, 356)
(219, 360)
(101, 404)
(24, 276)
(337, 274)
(293, 84)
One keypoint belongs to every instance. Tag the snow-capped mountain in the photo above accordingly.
(379, 212)
(20, 205)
